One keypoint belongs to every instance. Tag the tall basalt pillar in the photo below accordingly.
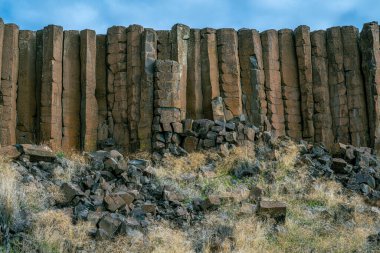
(133, 83)
(39, 61)
(252, 76)
(164, 47)
(116, 85)
(290, 83)
(209, 70)
(71, 91)
(51, 87)
(180, 35)
(321, 93)
(148, 59)
(338, 89)
(275, 113)
(305, 75)
(370, 49)
(229, 72)
(1, 43)
(89, 106)
(356, 97)
(101, 86)
(26, 88)
(8, 88)
(194, 98)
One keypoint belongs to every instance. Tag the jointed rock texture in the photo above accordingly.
(139, 89)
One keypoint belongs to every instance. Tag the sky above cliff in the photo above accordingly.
(162, 14)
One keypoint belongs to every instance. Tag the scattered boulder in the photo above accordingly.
(272, 209)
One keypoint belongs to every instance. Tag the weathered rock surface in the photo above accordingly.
(164, 47)
(71, 91)
(305, 75)
(89, 105)
(8, 88)
(26, 88)
(229, 72)
(101, 86)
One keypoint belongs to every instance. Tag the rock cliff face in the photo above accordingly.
(79, 90)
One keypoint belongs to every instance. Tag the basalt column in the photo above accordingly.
(252, 76)
(101, 86)
(71, 94)
(133, 83)
(209, 70)
(194, 81)
(116, 85)
(179, 38)
(26, 88)
(290, 84)
(51, 86)
(8, 88)
(229, 72)
(275, 114)
(148, 59)
(338, 89)
(39, 56)
(164, 47)
(305, 75)
(321, 93)
(369, 45)
(89, 106)
(1, 43)
(356, 97)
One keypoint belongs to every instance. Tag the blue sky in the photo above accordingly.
(162, 14)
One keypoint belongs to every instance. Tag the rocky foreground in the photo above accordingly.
(278, 195)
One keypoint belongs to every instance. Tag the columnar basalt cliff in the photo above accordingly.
(76, 90)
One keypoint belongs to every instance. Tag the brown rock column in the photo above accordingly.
(164, 47)
(229, 72)
(116, 85)
(369, 45)
(101, 86)
(71, 91)
(133, 83)
(89, 106)
(194, 80)
(148, 59)
(321, 93)
(8, 88)
(305, 75)
(290, 83)
(338, 90)
(180, 35)
(26, 88)
(275, 114)
(51, 87)
(209, 70)
(39, 60)
(1, 43)
(356, 97)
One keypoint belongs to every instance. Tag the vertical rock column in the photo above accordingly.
(39, 57)
(338, 89)
(252, 76)
(148, 59)
(133, 83)
(321, 93)
(290, 84)
(356, 97)
(369, 45)
(116, 85)
(51, 87)
(275, 114)
(71, 91)
(164, 47)
(167, 101)
(101, 86)
(229, 72)
(305, 75)
(8, 88)
(26, 88)
(89, 106)
(180, 35)
(194, 79)
(209, 70)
